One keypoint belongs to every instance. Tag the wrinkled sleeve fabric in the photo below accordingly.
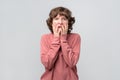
(71, 53)
(49, 51)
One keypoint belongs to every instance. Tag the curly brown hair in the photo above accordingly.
(61, 11)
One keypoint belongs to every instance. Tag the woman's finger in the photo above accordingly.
(66, 27)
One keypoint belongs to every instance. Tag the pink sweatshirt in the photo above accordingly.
(59, 55)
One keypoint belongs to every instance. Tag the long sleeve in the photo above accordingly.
(49, 51)
(71, 52)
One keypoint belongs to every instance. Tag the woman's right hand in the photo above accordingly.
(56, 31)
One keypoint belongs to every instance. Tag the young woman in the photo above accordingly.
(60, 49)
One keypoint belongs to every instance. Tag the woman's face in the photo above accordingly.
(59, 21)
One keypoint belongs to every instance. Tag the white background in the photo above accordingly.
(22, 22)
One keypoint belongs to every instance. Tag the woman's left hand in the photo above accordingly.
(64, 29)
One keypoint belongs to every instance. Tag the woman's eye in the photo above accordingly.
(64, 18)
(56, 18)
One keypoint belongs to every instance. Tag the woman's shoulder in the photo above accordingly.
(74, 35)
(47, 35)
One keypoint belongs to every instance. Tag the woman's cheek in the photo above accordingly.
(54, 24)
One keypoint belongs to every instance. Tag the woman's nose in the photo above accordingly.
(60, 21)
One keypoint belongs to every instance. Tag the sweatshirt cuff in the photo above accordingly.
(63, 38)
(56, 40)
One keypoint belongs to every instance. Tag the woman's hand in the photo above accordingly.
(60, 30)
(56, 31)
(64, 29)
